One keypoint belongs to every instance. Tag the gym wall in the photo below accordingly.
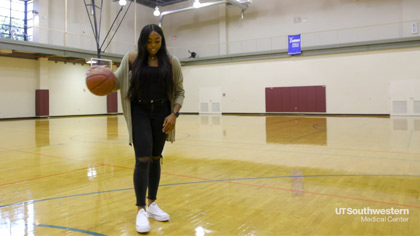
(17, 90)
(75, 31)
(68, 94)
(356, 83)
(218, 30)
(267, 23)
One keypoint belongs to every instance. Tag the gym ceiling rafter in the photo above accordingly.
(93, 10)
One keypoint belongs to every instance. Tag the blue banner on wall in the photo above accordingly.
(294, 44)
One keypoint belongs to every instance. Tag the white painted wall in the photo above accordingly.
(405, 97)
(52, 25)
(68, 92)
(218, 30)
(356, 83)
(268, 22)
(18, 85)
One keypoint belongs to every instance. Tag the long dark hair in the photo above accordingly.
(142, 60)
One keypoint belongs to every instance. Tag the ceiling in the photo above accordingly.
(153, 3)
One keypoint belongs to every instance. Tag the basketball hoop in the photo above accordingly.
(93, 11)
(100, 62)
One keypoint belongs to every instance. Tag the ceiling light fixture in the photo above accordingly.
(242, 4)
(197, 4)
(123, 2)
(156, 12)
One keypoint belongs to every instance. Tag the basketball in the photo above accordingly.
(100, 80)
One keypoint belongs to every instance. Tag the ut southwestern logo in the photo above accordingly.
(370, 211)
(294, 44)
(294, 40)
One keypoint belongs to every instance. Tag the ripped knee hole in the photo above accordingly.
(144, 159)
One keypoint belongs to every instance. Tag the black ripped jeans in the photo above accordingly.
(149, 140)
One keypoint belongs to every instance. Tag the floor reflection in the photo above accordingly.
(404, 123)
(21, 221)
(297, 182)
(200, 231)
(295, 130)
(288, 166)
(91, 172)
(42, 132)
(112, 127)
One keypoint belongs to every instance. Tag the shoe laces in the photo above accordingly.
(142, 213)
(155, 208)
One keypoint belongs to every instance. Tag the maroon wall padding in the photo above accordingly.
(42, 102)
(296, 99)
(112, 102)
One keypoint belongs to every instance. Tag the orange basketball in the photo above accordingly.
(100, 80)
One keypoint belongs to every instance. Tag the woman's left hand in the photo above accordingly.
(169, 123)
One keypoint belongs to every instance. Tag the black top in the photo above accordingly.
(154, 88)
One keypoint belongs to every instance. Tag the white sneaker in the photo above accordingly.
(156, 213)
(142, 222)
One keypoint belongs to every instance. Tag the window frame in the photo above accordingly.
(14, 24)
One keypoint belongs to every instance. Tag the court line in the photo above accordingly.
(307, 135)
(303, 136)
(63, 197)
(4, 150)
(410, 138)
(303, 146)
(264, 149)
(304, 192)
(260, 186)
(334, 196)
(65, 158)
(44, 176)
(300, 152)
(58, 157)
(230, 181)
(315, 126)
(71, 229)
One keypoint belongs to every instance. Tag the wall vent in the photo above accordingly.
(215, 107)
(204, 107)
(399, 107)
(416, 108)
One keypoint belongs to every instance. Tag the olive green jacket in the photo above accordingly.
(123, 75)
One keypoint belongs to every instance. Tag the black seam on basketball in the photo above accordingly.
(100, 83)
(96, 74)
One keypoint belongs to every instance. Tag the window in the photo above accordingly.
(16, 19)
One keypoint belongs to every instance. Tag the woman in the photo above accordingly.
(151, 85)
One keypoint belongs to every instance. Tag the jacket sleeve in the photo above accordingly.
(179, 93)
(122, 71)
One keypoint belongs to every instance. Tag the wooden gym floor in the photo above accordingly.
(225, 175)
